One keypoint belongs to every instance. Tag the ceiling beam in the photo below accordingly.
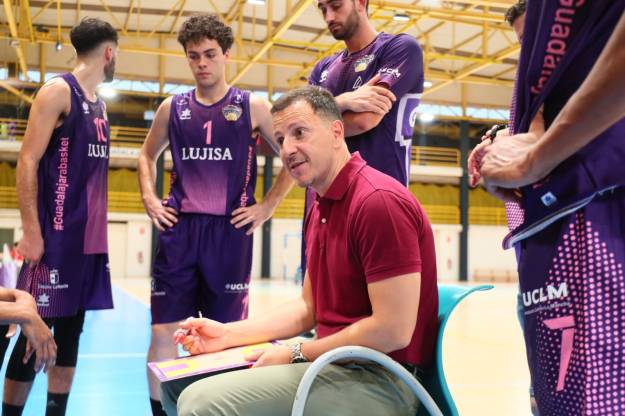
(15, 91)
(21, 56)
(297, 10)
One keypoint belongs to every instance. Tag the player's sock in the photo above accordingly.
(57, 402)
(157, 408)
(11, 410)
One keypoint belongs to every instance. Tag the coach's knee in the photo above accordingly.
(198, 400)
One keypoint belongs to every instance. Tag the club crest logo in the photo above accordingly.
(362, 63)
(54, 276)
(324, 76)
(232, 112)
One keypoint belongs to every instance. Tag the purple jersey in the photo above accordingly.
(73, 273)
(214, 154)
(73, 179)
(557, 54)
(399, 61)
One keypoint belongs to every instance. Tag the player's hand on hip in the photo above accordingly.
(162, 216)
(253, 215)
(31, 247)
(200, 335)
(276, 355)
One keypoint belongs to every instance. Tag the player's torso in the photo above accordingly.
(214, 153)
(385, 147)
(73, 177)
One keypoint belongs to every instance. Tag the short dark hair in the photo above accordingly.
(320, 100)
(91, 33)
(516, 11)
(209, 26)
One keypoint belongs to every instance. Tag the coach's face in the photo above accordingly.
(207, 61)
(308, 145)
(341, 16)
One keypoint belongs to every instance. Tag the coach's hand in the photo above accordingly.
(202, 335)
(162, 216)
(31, 247)
(276, 355)
(254, 215)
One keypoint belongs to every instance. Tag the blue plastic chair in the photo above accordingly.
(433, 393)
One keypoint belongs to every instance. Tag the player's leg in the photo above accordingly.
(225, 268)
(4, 342)
(174, 295)
(67, 331)
(19, 378)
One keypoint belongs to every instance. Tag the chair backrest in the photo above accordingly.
(434, 380)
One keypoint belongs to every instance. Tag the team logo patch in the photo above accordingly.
(43, 300)
(362, 63)
(324, 76)
(232, 112)
(185, 114)
(85, 107)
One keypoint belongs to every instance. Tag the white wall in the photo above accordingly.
(486, 253)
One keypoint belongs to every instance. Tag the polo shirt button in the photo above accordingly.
(323, 221)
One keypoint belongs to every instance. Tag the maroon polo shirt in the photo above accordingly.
(366, 228)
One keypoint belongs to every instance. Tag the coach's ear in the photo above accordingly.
(338, 130)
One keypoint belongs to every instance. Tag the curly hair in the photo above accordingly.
(90, 33)
(209, 26)
(516, 11)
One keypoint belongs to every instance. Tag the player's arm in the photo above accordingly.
(596, 105)
(256, 214)
(379, 98)
(363, 108)
(51, 104)
(401, 70)
(18, 307)
(154, 144)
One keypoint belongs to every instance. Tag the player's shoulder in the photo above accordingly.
(258, 103)
(324, 62)
(54, 89)
(399, 41)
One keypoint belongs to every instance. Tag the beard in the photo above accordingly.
(346, 30)
(109, 71)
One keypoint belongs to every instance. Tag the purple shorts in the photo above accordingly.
(202, 264)
(65, 283)
(573, 289)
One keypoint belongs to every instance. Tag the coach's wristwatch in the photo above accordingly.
(296, 354)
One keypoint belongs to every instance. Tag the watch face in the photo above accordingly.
(297, 360)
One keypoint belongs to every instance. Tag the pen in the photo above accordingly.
(180, 333)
